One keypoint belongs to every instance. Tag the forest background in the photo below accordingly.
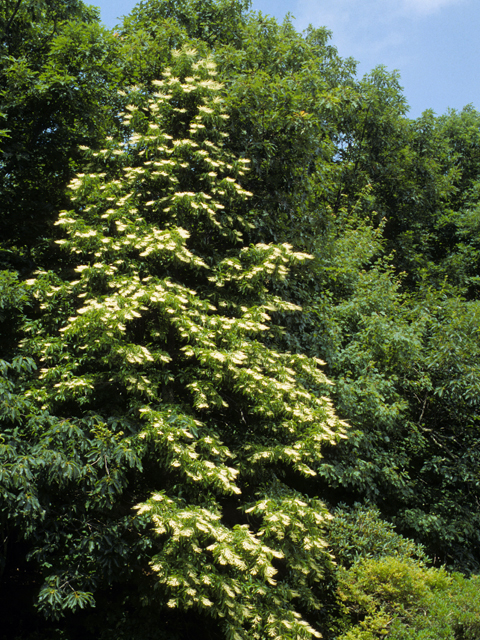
(239, 332)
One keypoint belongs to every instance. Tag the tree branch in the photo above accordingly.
(9, 23)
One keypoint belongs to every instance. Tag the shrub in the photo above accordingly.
(402, 599)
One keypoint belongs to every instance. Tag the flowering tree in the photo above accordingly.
(161, 439)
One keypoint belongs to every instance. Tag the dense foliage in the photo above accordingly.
(203, 215)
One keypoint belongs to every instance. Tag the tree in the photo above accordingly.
(161, 442)
(406, 379)
(57, 69)
(285, 92)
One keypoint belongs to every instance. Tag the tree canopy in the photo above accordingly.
(239, 334)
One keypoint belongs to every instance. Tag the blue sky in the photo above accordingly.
(435, 44)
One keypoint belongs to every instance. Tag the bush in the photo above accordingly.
(403, 600)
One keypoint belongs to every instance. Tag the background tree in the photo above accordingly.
(57, 68)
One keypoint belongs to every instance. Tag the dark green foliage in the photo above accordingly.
(57, 66)
(358, 532)
(406, 372)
